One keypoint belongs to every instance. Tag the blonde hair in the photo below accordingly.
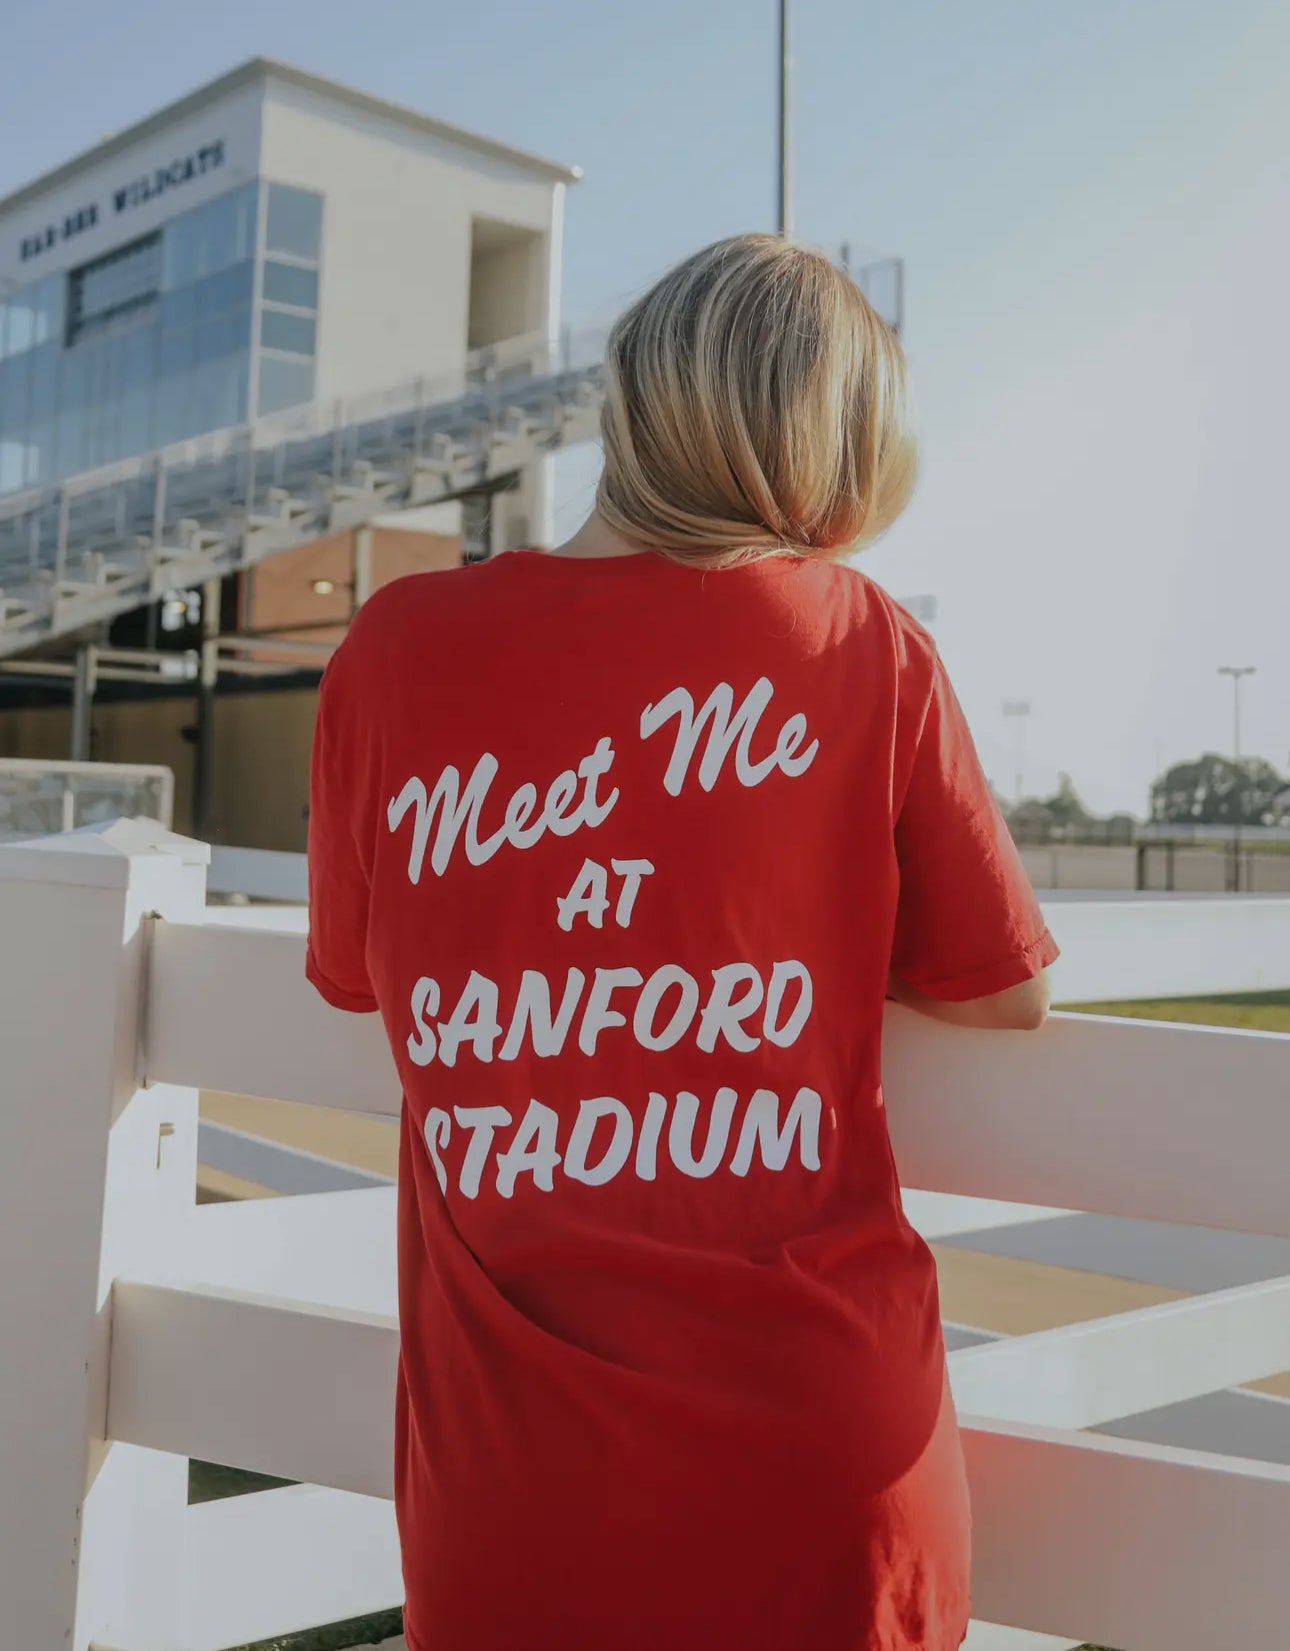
(755, 403)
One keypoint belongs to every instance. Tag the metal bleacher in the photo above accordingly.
(106, 541)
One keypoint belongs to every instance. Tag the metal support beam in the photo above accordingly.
(60, 551)
(784, 180)
(267, 642)
(496, 529)
(477, 527)
(362, 566)
(207, 677)
(83, 683)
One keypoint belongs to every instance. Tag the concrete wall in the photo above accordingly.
(262, 744)
(507, 283)
(280, 591)
(395, 290)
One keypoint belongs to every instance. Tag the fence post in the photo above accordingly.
(97, 1177)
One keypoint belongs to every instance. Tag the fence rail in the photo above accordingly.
(39, 797)
(152, 1329)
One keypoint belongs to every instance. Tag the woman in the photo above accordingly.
(629, 844)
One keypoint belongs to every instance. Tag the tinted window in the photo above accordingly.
(291, 284)
(280, 330)
(284, 383)
(294, 222)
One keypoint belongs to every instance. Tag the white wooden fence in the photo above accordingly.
(139, 1328)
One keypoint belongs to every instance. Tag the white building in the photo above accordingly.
(270, 240)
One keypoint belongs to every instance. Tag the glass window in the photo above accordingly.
(48, 308)
(11, 417)
(174, 401)
(71, 437)
(181, 252)
(280, 330)
(178, 309)
(176, 349)
(139, 357)
(41, 454)
(246, 203)
(216, 226)
(117, 279)
(208, 239)
(13, 465)
(132, 427)
(228, 392)
(73, 381)
(121, 284)
(230, 289)
(22, 321)
(44, 380)
(228, 229)
(284, 383)
(206, 395)
(291, 284)
(220, 335)
(153, 342)
(15, 378)
(30, 316)
(294, 223)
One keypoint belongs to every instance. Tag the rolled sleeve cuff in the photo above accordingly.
(356, 1003)
(993, 977)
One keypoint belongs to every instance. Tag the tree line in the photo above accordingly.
(1210, 790)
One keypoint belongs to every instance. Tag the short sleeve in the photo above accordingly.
(339, 880)
(967, 920)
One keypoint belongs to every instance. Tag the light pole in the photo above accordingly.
(784, 190)
(1018, 710)
(1236, 672)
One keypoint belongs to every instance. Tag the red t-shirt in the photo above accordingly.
(622, 852)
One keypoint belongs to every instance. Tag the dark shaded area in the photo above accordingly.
(210, 1482)
(1250, 1000)
(1231, 1423)
(340, 1636)
(1192, 1259)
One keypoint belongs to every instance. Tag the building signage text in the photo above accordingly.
(135, 193)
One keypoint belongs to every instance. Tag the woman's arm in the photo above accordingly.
(1021, 1008)
(970, 945)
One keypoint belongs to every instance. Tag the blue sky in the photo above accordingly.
(1094, 203)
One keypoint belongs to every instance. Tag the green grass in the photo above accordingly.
(209, 1482)
(339, 1636)
(1251, 1011)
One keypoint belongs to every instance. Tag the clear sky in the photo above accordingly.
(1094, 202)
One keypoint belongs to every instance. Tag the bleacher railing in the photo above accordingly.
(107, 540)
